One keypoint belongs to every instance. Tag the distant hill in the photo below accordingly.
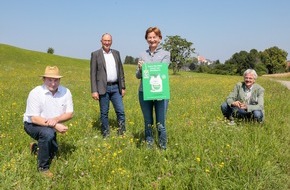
(32, 63)
(14, 54)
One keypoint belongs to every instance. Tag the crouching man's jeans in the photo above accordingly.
(160, 107)
(47, 144)
(229, 111)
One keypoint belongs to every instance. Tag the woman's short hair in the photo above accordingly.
(155, 29)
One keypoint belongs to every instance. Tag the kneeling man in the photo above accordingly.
(246, 101)
(48, 106)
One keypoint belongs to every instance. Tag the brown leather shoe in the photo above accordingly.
(47, 173)
(33, 148)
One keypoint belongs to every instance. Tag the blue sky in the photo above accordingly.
(217, 29)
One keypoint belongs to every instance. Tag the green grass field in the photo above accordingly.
(203, 151)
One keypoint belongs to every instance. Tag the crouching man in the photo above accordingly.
(48, 106)
(246, 101)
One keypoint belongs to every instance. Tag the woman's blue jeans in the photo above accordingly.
(47, 144)
(115, 97)
(160, 107)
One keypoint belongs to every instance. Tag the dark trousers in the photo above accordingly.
(240, 113)
(47, 144)
(115, 97)
(160, 107)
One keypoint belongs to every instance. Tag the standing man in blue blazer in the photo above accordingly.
(246, 100)
(108, 83)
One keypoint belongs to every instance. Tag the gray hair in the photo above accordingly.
(106, 34)
(251, 71)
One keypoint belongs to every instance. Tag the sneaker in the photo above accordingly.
(33, 148)
(46, 173)
(232, 123)
(106, 134)
(121, 130)
(149, 144)
(231, 118)
(162, 147)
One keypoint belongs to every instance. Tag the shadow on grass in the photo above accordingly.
(139, 135)
(66, 149)
(96, 124)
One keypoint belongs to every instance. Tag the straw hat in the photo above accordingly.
(51, 72)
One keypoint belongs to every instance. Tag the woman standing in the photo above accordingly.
(155, 54)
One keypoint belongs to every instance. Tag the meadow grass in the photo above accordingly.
(204, 152)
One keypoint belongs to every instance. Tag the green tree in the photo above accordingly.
(180, 51)
(193, 64)
(223, 69)
(244, 60)
(217, 62)
(255, 57)
(194, 60)
(50, 50)
(136, 61)
(275, 59)
(129, 60)
(203, 68)
(240, 59)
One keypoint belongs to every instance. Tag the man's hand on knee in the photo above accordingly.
(61, 128)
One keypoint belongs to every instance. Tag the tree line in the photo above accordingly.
(270, 61)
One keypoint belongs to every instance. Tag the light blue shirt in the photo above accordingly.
(158, 56)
